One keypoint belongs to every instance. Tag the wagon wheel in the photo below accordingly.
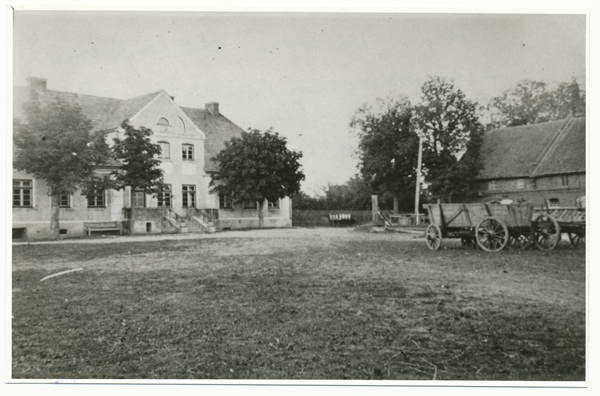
(433, 236)
(519, 242)
(492, 235)
(468, 242)
(576, 239)
(546, 232)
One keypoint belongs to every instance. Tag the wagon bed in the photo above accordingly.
(490, 226)
(470, 215)
(569, 220)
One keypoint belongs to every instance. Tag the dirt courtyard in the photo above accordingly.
(314, 303)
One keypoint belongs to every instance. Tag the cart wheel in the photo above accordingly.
(546, 232)
(576, 239)
(468, 242)
(433, 236)
(519, 242)
(491, 234)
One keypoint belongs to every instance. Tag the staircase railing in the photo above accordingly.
(172, 217)
(204, 217)
(205, 220)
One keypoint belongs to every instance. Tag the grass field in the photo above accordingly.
(352, 306)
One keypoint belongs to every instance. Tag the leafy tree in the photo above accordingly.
(257, 166)
(532, 102)
(56, 143)
(303, 201)
(355, 194)
(388, 148)
(141, 168)
(450, 126)
(567, 98)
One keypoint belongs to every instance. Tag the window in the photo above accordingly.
(274, 204)
(22, 192)
(187, 151)
(163, 122)
(165, 150)
(532, 184)
(164, 197)
(250, 205)
(492, 186)
(138, 199)
(19, 233)
(188, 196)
(96, 199)
(565, 180)
(553, 202)
(520, 184)
(65, 199)
(225, 202)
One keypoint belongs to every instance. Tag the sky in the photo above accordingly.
(302, 74)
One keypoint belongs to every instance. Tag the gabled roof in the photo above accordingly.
(218, 130)
(556, 147)
(109, 113)
(105, 113)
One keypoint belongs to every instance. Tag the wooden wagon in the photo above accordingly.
(568, 220)
(490, 226)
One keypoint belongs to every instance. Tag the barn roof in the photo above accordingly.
(555, 147)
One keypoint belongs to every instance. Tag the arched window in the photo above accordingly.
(162, 121)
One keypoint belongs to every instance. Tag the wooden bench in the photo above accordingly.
(102, 226)
(341, 219)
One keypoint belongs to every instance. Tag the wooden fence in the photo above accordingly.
(320, 218)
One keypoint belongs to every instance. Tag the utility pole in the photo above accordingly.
(418, 189)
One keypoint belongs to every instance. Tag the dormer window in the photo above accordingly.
(162, 121)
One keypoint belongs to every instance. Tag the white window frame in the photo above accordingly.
(187, 191)
(165, 196)
(492, 185)
(60, 200)
(521, 184)
(22, 188)
(95, 196)
(187, 152)
(134, 198)
(162, 154)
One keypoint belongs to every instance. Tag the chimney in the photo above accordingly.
(38, 84)
(213, 108)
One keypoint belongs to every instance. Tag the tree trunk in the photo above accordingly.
(261, 213)
(396, 206)
(55, 215)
